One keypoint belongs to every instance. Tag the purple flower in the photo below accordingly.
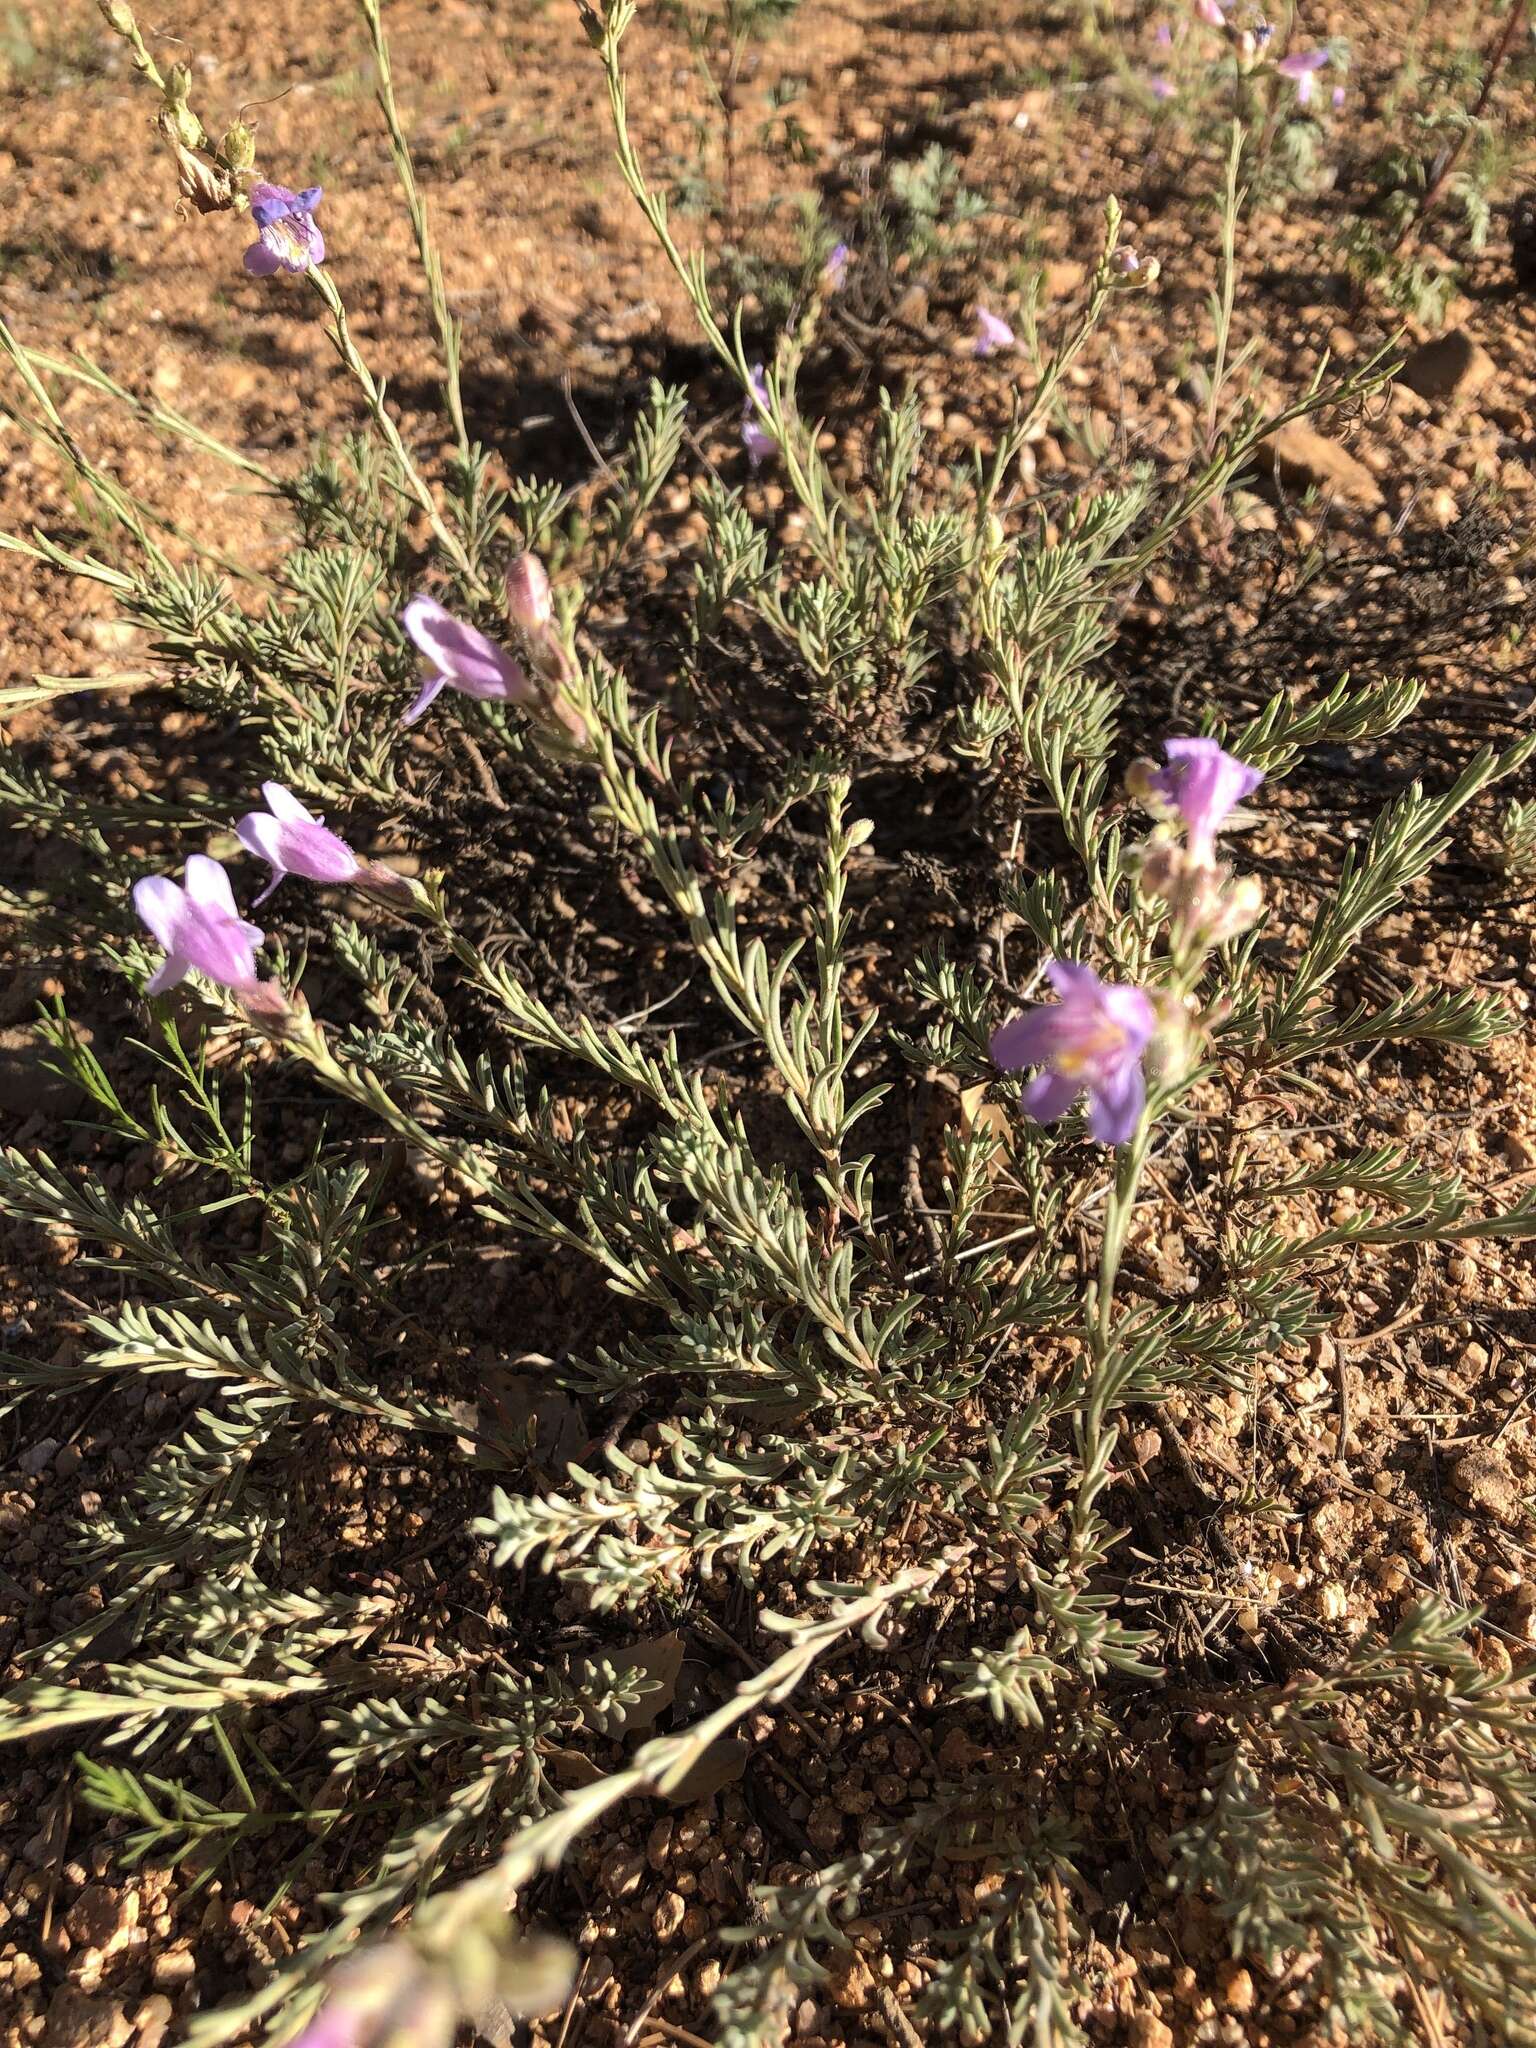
(1126, 261)
(465, 660)
(198, 927)
(1161, 88)
(286, 222)
(835, 270)
(755, 437)
(335, 2027)
(1202, 783)
(1092, 1040)
(1162, 35)
(1302, 66)
(295, 842)
(1338, 98)
(991, 332)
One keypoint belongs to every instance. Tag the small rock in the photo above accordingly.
(1298, 455)
(77, 2021)
(668, 1917)
(1063, 278)
(1237, 1992)
(1451, 366)
(1482, 1478)
(912, 306)
(850, 1982)
(174, 1966)
(102, 1918)
(1519, 1151)
(622, 1872)
(112, 636)
(151, 2020)
(1148, 2031)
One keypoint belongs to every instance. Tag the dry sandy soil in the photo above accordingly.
(1406, 1454)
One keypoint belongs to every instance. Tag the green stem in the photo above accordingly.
(373, 392)
(448, 330)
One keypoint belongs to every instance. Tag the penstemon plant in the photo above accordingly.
(882, 1370)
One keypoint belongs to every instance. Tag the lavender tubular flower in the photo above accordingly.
(289, 239)
(464, 660)
(1201, 785)
(992, 332)
(1090, 1042)
(834, 271)
(293, 841)
(1301, 68)
(755, 437)
(199, 927)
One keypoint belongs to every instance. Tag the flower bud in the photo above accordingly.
(530, 604)
(238, 149)
(118, 16)
(176, 117)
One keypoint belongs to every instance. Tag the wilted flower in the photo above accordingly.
(465, 660)
(295, 842)
(289, 238)
(755, 437)
(198, 926)
(1201, 785)
(992, 332)
(1093, 1041)
(1301, 67)
(835, 270)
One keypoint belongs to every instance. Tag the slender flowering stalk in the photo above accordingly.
(1091, 1042)
(289, 239)
(463, 659)
(755, 437)
(199, 927)
(992, 332)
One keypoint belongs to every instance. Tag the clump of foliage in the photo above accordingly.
(884, 1366)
